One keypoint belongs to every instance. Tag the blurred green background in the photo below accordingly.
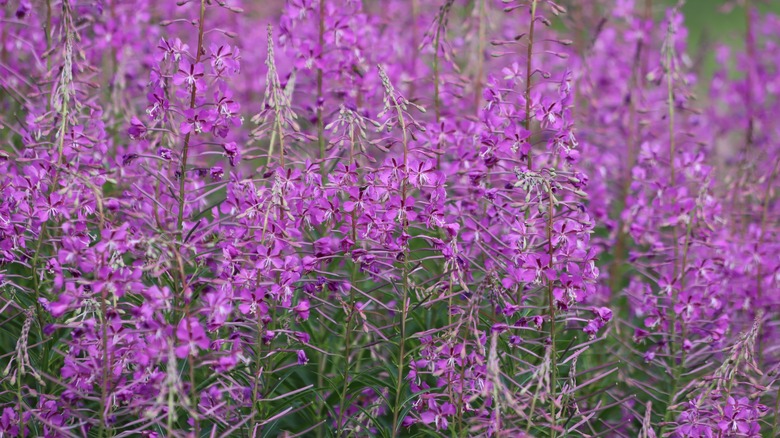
(706, 17)
(709, 24)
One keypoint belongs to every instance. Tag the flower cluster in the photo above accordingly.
(385, 218)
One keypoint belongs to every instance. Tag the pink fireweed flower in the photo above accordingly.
(192, 337)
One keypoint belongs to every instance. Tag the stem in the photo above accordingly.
(345, 385)
(528, 73)
(405, 274)
(776, 423)
(580, 30)
(401, 354)
(258, 370)
(759, 269)
(104, 387)
(551, 313)
(180, 229)
(4, 40)
(170, 417)
(482, 42)
(671, 314)
(20, 408)
(186, 148)
(47, 31)
(750, 47)
(415, 44)
(351, 162)
(280, 132)
(436, 73)
(320, 384)
(320, 122)
(63, 112)
(348, 331)
(621, 245)
(461, 428)
(436, 102)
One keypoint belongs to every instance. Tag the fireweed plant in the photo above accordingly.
(398, 218)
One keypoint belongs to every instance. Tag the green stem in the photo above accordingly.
(104, 387)
(776, 422)
(47, 31)
(180, 227)
(760, 268)
(621, 246)
(19, 376)
(63, 111)
(347, 345)
(405, 274)
(482, 42)
(320, 122)
(436, 68)
(320, 383)
(436, 45)
(675, 366)
(186, 148)
(348, 329)
(551, 314)
(258, 369)
(750, 48)
(401, 352)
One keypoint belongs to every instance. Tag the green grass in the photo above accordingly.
(708, 25)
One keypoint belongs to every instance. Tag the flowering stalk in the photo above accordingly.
(481, 43)
(350, 312)
(634, 134)
(760, 268)
(439, 29)
(186, 147)
(750, 48)
(395, 106)
(679, 269)
(320, 98)
(528, 82)
(551, 314)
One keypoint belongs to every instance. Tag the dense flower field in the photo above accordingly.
(500, 218)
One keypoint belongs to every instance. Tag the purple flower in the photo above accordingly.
(192, 337)
(302, 310)
(216, 173)
(137, 129)
(232, 152)
(224, 59)
(197, 123)
(437, 415)
(189, 75)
